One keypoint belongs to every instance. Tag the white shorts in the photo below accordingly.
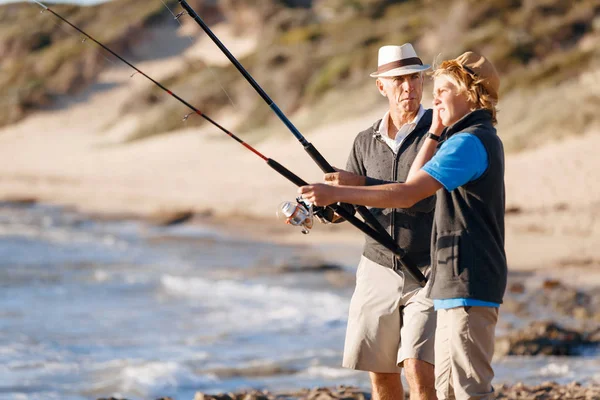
(388, 322)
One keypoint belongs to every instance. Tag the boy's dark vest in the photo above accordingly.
(467, 247)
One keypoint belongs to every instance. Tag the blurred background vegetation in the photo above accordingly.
(313, 58)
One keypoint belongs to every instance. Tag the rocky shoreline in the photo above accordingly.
(519, 391)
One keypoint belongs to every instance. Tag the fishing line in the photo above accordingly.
(386, 241)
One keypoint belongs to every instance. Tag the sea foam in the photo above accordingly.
(258, 305)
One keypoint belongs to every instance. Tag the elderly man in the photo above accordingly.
(391, 323)
(469, 262)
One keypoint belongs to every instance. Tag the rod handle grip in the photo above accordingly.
(318, 158)
(289, 175)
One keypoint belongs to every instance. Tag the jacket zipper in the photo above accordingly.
(394, 179)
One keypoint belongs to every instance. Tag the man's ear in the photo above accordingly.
(379, 84)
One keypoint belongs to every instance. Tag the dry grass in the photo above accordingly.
(49, 58)
(305, 58)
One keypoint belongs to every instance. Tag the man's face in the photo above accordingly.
(403, 92)
(451, 104)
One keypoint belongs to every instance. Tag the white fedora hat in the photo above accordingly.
(398, 60)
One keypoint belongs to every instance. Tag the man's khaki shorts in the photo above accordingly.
(390, 320)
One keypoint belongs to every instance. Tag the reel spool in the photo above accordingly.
(299, 213)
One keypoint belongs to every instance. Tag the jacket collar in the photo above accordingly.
(424, 120)
(477, 117)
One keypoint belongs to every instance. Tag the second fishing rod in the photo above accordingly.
(388, 243)
(308, 147)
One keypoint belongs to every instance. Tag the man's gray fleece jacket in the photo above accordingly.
(410, 228)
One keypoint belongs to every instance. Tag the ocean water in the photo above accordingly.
(94, 309)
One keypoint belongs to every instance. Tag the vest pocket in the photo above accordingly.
(448, 254)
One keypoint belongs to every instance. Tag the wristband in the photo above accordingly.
(433, 136)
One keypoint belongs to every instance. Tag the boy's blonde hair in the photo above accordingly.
(480, 82)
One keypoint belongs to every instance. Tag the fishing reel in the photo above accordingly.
(299, 213)
(302, 213)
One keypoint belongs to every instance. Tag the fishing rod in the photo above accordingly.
(366, 229)
(310, 149)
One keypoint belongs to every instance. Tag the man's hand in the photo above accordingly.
(344, 178)
(319, 194)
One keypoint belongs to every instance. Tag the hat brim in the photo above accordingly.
(411, 69)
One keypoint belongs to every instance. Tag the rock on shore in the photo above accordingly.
(546, 338)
